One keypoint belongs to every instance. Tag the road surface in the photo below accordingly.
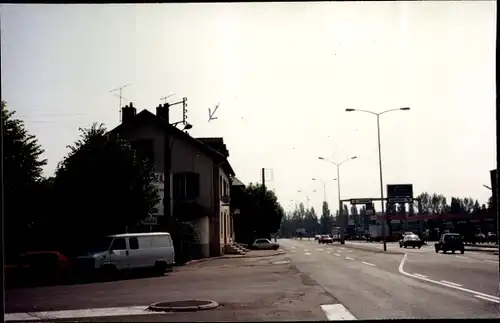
(420, 284)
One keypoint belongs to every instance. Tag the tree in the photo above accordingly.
(102, 186)
(326, 220)
(23, 167)
(263, 212)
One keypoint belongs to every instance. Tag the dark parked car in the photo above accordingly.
(450, 242)
(411, 240)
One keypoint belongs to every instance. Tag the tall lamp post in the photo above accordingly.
(324, 185)
(342, 226)
(307, 198)
(380, 160)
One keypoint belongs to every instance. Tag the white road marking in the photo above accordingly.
(281, 262)
(492, 261)
(293, 247)
(462, 257)
(307, 254)
(337, 255)
(72, 314)
(306, 250)
(488, 299)
(342, 248)
(319, 249)
(337, 312)
(349, 258)
(451, 283)
(475, 293)
(419, 275)
(328, 252)
(367, 263)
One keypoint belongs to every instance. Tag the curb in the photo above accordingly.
(157, 307)
(232, 256)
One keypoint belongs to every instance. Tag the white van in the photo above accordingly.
(129, 251)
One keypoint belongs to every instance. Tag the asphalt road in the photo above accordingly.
(255, 289)
(422, 284)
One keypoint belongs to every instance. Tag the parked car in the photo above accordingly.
(317, 237)
(129, 251)
(450, 242)
(325, 239)
(410, 240)
(43, 267)
(264, 244)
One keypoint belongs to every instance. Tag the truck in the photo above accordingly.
(376, 232)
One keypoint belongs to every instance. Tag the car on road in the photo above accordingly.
(264, 244)
(450, 242)
(317, 237)
(410, 240)
(325, 239)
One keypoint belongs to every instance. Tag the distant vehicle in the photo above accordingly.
(325, 239)
(316, 237)
(450, 242)
(122, 252)
(264, 244)
(410, 240)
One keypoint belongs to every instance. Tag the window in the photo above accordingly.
(160, 241)
(144, 242)
(133, 243)
(119, 244)
(144, 149)
(186, 185)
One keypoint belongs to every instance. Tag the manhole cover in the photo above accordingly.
(184, 305)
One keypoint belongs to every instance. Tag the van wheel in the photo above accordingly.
(160, 268)
(109, 272)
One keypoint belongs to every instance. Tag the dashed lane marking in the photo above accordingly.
(328, 252)
(319, 249)
(336, 254)
(337, 312)
(349, 251)
(349, 258)
(463, 257)
(369, 264)
(307, 254)
(451, 283)
(491, 261)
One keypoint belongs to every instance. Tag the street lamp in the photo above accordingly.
(380, 159)
(324, 185)
(342, 229)
(307, 196)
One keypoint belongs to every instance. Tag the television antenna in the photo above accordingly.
(211, 113)
(120, 89)
(166, 97)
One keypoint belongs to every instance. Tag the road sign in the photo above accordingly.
(360, 201)
(152, 220)
(400, 200)
(400, 190)
(225, 200)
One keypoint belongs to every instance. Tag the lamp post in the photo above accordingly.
(324, 185)
(307, 198)
(341, 218)
(380, 160)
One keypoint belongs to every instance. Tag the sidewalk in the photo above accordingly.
(249, 254)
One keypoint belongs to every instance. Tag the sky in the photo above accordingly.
(283, 73)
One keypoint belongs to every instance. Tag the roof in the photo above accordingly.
(216, 144)
(146, 117)
(237, 182)
(145, 234)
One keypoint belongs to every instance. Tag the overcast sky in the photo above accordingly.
(284, 73)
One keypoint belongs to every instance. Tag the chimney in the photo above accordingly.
(162, 111)
(128, 113)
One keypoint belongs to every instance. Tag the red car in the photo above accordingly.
(44, 266)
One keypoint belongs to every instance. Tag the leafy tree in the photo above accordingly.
(23, 166)
(326, 220)
(102, 186)
(262, 210)
(476, 208)
(411, 209)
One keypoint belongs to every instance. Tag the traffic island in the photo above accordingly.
(190, 305)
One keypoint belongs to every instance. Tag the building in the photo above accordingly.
(200, 176)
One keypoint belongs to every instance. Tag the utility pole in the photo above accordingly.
(120, 89)
(264, 180)
(167, 164)
(2, 221)
(184, 110)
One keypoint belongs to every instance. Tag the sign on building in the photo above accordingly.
(159, 182)
(152, 220)
(360, 201)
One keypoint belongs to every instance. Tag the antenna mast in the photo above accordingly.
(121, 98)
